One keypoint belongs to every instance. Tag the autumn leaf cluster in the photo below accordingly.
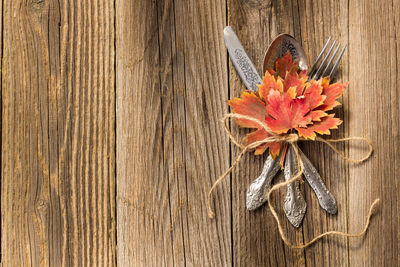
(288, 103)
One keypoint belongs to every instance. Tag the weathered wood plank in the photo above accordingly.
(255, 235)
(1, 75)
(374, 112)
(58, 138)
(142, 189)
(171, 91)
(319, 20)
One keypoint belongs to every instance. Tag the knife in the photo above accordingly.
(258, 189)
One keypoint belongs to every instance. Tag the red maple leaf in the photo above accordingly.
(286, 113)
(287, 103)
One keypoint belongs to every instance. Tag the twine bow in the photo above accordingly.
(292, 140)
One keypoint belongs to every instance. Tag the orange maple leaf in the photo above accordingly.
(286, 113)
(252, 105)
(287, 103)
(321, 127)
(332, 93)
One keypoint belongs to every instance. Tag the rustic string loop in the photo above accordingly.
(291, 139)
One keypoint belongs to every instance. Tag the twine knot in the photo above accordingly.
(292, 138)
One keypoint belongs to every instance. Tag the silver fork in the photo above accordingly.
(323, 68)
(295, 205)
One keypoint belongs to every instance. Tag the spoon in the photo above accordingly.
(294, 206)
(281, 44)
(259, 188)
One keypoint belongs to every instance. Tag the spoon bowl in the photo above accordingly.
(294, 206)
(279, 46)
(294, 202)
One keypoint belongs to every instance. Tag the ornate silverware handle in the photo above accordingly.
(259, 188)
(294, 206)
(244, 66)
(325, 198)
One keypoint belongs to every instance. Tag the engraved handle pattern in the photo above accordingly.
(245, 69)
(294, 206)
(326, 199)
(259, 188)
(243, 65)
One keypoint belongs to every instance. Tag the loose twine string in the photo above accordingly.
(291, 139)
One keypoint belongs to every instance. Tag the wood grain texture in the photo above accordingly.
(111, 134)
(58, 134)
(374, 111)
(171, 86)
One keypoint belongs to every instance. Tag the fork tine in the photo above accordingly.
(330, 61)
(319, 57)
(318, 72)
(337, 62)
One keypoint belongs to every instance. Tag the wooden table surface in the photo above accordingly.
(111, 133)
